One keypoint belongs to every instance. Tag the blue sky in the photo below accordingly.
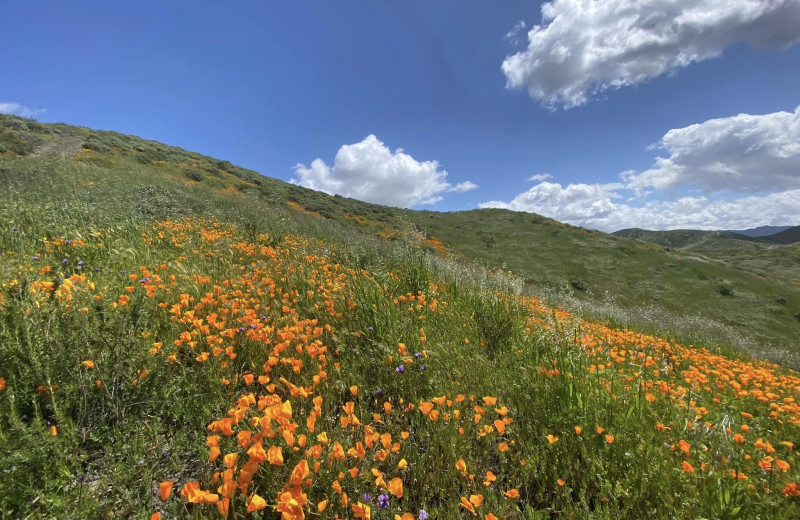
(274, 86)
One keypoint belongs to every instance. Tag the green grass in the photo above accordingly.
(141, 256)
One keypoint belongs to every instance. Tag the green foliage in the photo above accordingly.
(134, 419)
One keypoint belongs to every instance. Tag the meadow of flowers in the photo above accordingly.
(203, 368)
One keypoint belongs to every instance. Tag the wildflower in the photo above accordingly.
(64, 262)
(88, 363)
(362, 511)
(512, 493)
(256, 503)
(366, 497)
(396, 487)
(578, 430)
(383, 501)
(552, 439)
(791, 490)
(400, 369)
(321, 506)
(560, 482)
(610, 439)
(423, 515)
(687, 467)
(165, 489)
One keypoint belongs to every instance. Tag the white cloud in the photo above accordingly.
(19, 110)
(513, 36)
(584, 47)
(461, 187)
(539, 177)
(743, 153)
(592, 206)
(745, 170)
(370, 171)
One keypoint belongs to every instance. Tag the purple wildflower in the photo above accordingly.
(423, 515)
(417, 355)
(383, 501)
(400, 369)
(423, 367)
(64, 261)
(366, 497)
(35, 257)
(81, 263)
(378, 391)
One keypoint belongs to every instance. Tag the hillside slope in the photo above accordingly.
(176, 347)
(747, 301)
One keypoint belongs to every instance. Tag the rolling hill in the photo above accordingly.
(184, 338)
(746, 298)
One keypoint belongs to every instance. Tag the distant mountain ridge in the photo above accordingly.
(760, 231)
(687, 238)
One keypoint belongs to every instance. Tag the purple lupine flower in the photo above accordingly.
(423, 367)
(67, 242)
(366, 497)
(378, 391)
(423, 515)
(81, 263)
(400, 369)
(35, 257)
(417, 355)
(370, 328)
(64, 261)
(253, 326)
(383, 501)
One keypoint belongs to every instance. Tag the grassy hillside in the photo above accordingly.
(747, 297)
(775, 257)
(176, 347)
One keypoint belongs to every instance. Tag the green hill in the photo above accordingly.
(183, 338)
(746, 298)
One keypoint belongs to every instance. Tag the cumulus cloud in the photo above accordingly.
(592, 206)
(584, 47)
(744, 153)
(370, 171)
(746, 169)
(19, 110)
